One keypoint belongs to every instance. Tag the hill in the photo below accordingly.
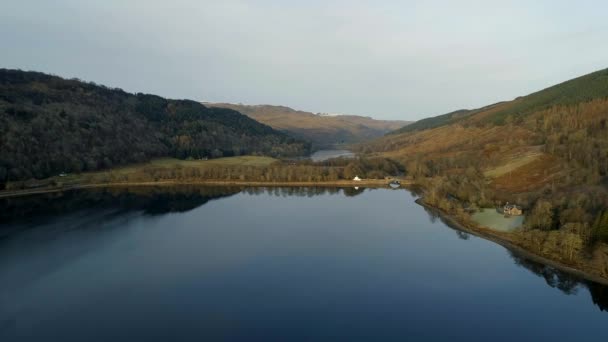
(562, 125)
(50, 125)
(572, 92)
(547, 151)
(324, 131)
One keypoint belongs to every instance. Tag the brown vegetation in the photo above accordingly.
(321, 130)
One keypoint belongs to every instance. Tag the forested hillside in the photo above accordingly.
(547, 151)
(50, 125)
(323, 131)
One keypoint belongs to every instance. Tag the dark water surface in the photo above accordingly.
(322, 155)
(221, 264)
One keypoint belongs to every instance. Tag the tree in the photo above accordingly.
(600, 227)
(541, 216)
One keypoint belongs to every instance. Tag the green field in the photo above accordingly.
(131, 171)
(172, 163)
(490, 218)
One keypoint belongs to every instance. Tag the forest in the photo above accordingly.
(50, 125)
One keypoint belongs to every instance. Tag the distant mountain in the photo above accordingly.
(323, 130)
(50, 125)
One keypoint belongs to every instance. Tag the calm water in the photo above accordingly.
(271, 265)
(322, 155)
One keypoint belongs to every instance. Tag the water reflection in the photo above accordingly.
(109, 204)
(563, 281)
(300, 191)
(149, 200)
(434, 215)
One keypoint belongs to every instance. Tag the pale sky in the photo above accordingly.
(387, 59)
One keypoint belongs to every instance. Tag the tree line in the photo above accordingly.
(301, 171)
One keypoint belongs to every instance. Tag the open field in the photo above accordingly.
(530, 176)
(512, 165)
(172, 163)
(492, 219)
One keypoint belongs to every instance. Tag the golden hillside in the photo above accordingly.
(557, 137)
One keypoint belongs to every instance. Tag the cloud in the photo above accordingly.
(397, 59)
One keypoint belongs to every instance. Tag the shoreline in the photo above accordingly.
(367, 183)
(503, 240)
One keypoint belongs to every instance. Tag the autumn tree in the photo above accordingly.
(541, 216)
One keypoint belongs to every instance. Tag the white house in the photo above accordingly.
(357, 179)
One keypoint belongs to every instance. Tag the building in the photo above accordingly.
(512, 210)
(357, 179)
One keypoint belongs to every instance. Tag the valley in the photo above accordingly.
(323, 131)
(543, 152)
(304, 171)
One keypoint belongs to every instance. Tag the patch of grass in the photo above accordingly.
(492, 219)
(162, 163)
(511, 165)
(530, 176)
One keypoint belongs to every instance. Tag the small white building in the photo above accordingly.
(357, 179)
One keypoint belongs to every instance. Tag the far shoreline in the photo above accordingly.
(367, 183)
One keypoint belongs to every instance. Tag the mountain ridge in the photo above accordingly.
(577, 90)
(324, 131)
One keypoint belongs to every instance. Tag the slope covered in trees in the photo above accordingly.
(324, 131)
(547, 152)
(50, 125)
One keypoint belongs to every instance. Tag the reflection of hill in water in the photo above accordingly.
(304, 191)
(567, 283)
(149, 200)
(555, 278)
(161, 200)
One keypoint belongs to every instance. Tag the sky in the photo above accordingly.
(386, 59)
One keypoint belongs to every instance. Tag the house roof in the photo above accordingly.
(511, 206)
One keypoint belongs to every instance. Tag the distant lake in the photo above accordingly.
(280, 264)
(322, 155)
